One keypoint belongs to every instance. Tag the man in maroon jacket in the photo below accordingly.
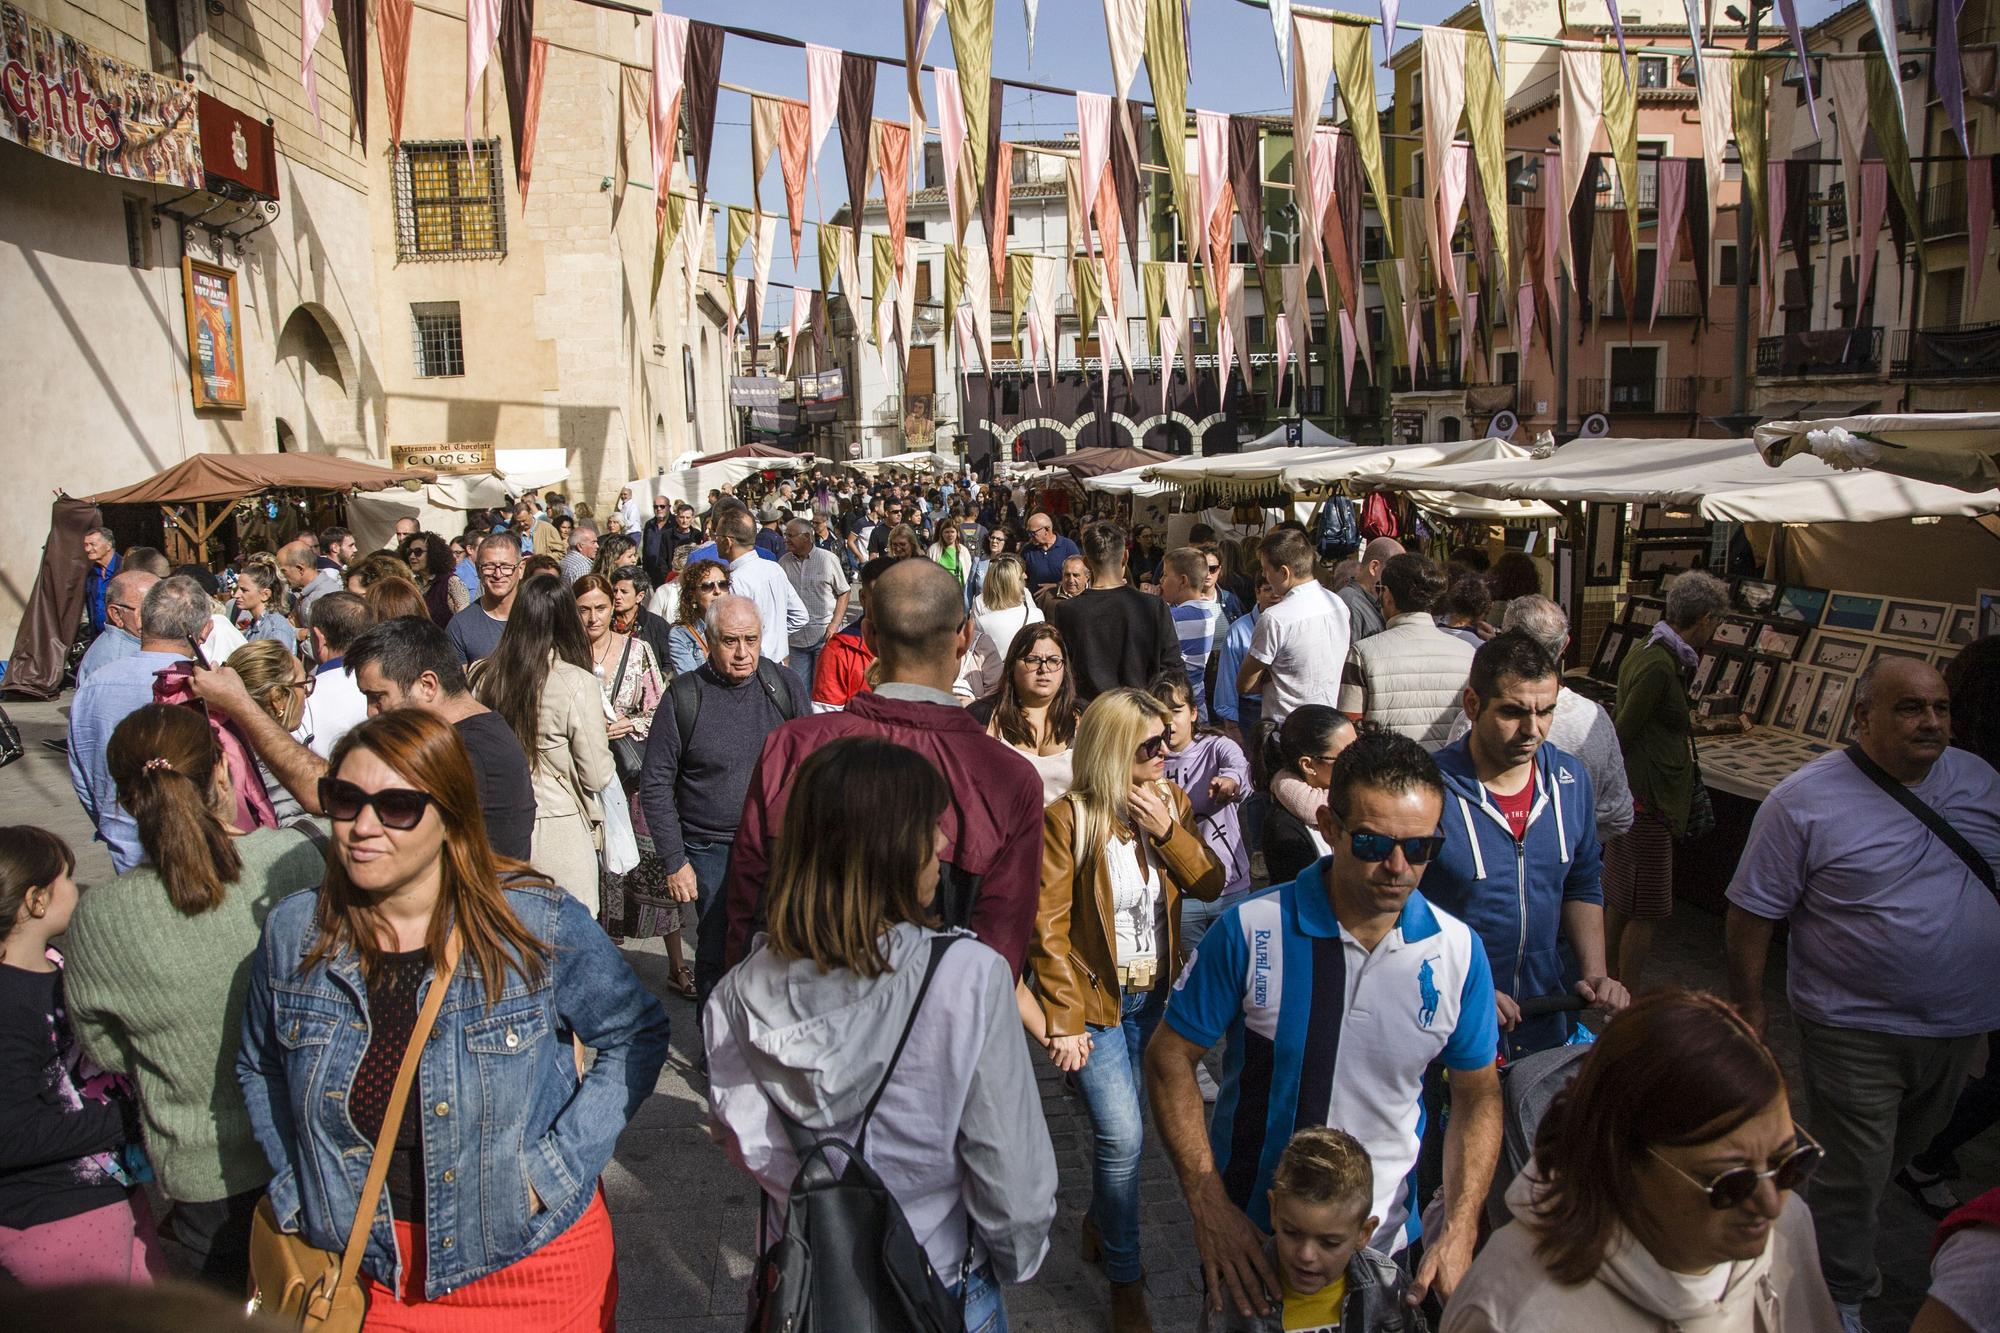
(990, 880)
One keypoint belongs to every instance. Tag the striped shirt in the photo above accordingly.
(1201, 626)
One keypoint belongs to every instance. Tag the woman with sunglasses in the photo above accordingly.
(1662, 1193)
(494, 1216)
(1118, 854)
(701, 583)
(159, 967)
(432, 562)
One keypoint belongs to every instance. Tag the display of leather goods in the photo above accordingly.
(1829, 699)
(1795, 702)
(1852, 611)
(1801, 603)
(1963, 627)
(1757, 597)
(1837, 654)
(1757, 686)
(1736, 632)
(1882, 650)
(1922, 621)
(1779, 639)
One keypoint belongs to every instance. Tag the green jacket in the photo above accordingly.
(1655, 729)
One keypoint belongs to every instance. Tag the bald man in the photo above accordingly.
(990, 877)
(120, 638)
(1364, 595)
(300, 568)
(1882, 857)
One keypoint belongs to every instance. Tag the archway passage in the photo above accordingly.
(318, 383)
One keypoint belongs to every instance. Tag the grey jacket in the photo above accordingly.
(1373, 1303)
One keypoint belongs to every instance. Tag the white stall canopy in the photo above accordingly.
(1717, 479)
(442, 506)
(1228, 477)
(1957, 449)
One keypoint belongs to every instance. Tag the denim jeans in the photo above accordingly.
(1114, 1092)
(805, 661)
(1197, 916)
(985, 1312)
(711, 936)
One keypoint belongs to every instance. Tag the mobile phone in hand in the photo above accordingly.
(200, 660)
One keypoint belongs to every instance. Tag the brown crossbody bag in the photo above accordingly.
(302, 1285)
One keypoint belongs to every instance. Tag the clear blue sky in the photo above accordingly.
(1235, 68)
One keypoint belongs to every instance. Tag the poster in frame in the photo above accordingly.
(1920, 622)
(1780, 638)
(1942, 658)
(1644, 612)
(1839, 654)
(1828, 703)
(1794, 703)
(1986, 606)
(1611, 649)
(1657, 520)
(1857, 612)
(1884, 650)
(1758, 686)
(1963, 627)
(1705, 670)
(214, 335)
(1800, 603)
(1756, 597)
(1652, 559)
(1730, 676)
(1736, 632)
(1565, 559)
(1604, 546)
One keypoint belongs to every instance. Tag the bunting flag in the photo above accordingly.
(920, 20)
(1312, 59)
(1673, 199)
(739, 301)
(822, 95)
(1788, 11)
(1699, 214)
(1180, 296)
(1282, 337)
(1978, 212)
(1170, 341)
(1582, 82)
(831, 238)
(670, 33)
(1453, 169)
(1125, 174)
(1030, 6)
(1582, 228)
(979, 300)
(1125, 32)
(1167, 71)
(1883, 92)
(1086, 288)
(820, 323)
(1246, 176)
(1233, 341)
(1772, 237)
(1443, 54)
(856, 117)
(313, 15)
(1479, 225)
(794, 135)
(1281, 32)
(1093, 137)
(1949, 72)
(1618, 28)
(351, 17)
(1798, 221)
(666, 233)
(1153, 285)
(740, 222)
(763, 244)
(1343, 224)
(392, 29)
(704, 77)
(800, 297)
(1715, 96)
(881, 272)
(766, 119)
(516, 39)
(1047, 287)
(1312, 189)
(1884, 14)
(1489, 19)
(1751, 142)
(1555, 222)
(1394, 323)
(1020, 287)
(1625, 268)
(1874, 200)
(1295, 326)
(538, 68)
(998, 197)
(906, 303)
(949, 327)
(951, 147)
(1465, 337)
(1524, 322)
(482, 30)
(1847, 86)
(1621, 127)
(1075, 228)
(1695, 40)
(1110, 323)
(1107, 219)
(695, 225)
(971, 24)
(1357, 93)
(847, 254)
(1219, 250)
(892, 153)
(1212, 175)
(1346, 326)
(1390, 9)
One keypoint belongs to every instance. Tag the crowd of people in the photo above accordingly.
(930, 782)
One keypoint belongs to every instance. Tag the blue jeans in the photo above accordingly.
(711, 935)
(984, 1310)
(805, 661)
(1114, 1091)
(1197, 916)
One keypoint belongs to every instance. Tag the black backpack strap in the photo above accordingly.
(687, 707)
(1930, 818)
(778, 688)
(939, 944)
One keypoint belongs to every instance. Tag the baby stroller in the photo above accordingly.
(1527, 1086)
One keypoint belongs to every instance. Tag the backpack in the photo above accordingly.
(776, 681)
(1334, 532)
(1377, 518)
(848, 1259)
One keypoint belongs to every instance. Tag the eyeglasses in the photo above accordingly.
(1042, 663)
(1373, 847)
(1738, 1183)
(499, 571)
(304, 685)
(1152, 747)
(397, 807)
(660, 507)
(1213, 569)
(713, 585)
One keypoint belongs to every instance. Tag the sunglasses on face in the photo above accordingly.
(1373, 847)
(1735, 1186)
(1152, 747)
(713, 585)
(396, 807)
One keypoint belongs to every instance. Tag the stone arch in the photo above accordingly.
(318, 382)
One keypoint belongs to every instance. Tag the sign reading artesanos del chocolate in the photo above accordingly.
(74, 103)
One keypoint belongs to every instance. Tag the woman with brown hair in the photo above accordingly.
(500, 1143)
(804, 1034)
(430, 559)
(159, 967)
(687, 643)
(1035, 709)
(1662, 1191)
(372, 568)
(393, 598)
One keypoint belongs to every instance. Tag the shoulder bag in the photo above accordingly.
(1929, 817)
(628, 753)
(303, 1286)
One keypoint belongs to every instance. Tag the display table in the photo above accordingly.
(1750, 765)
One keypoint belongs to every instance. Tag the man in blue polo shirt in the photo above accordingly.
(1333, 993)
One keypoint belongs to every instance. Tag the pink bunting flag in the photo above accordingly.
(1950, 73)
(792, 334)
(1346, 347)
(906, 301)
(822, 100)
(892, 159)
(793, 131)
(1212, 158)
(313, 15)
(669, 77)
(1673, 203)
(1556, 221)
(1524, 321)
(1469, 325)
(482, 30)
(1170, 341)
(951, 145)
(979, 306)
(1282, 337)
(1454, 166)
(1104, 359)
(1979, 213)
(1321, 155)
(1093, 133)
(1874, 203)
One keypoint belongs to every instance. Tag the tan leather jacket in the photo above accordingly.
(1075, 952)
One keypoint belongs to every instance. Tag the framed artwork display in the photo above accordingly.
(1943, 656)
(1655, 558)
(1565, 558)
(1736, 632)
(1828, 700)
(1644, 612)
(1659, 520)
(1838, 654)
(1882, 650)
(1921, 621)
(1986, 611)
(1798, 603)
(1780, 639)
(1757, 597)
(1852, 611)
(1758, 683)
(1604, 546)
(1795, 702)
(1963, 627)
(1730, 676)
(1611, 650)
(1705, 671)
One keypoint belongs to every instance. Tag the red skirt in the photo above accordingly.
(570, 1285)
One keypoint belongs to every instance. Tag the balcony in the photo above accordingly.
(1484, 399)
(1431, 379)
(1944, 208)
(1821, 352)
(1674, 396)
(1960, 351)
(1681, 300)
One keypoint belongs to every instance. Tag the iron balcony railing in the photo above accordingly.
(1673, 395)
(1958, 351)
(1821, 352)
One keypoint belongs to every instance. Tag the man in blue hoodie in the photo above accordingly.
(1521, 858)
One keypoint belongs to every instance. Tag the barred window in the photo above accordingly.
(450, 205)
(437, 339)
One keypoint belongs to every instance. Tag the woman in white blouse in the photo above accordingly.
(1003, 607)
(1035, 708)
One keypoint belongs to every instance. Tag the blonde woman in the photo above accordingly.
(280, 685)
(1103, 951)
(1003, 607)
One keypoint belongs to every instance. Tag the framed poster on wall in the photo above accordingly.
(214, 335)
(1604, 546)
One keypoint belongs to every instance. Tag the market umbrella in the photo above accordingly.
(210, 477)
(778, 457)
(1113, 458)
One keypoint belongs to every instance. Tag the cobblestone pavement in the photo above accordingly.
(685, 1217)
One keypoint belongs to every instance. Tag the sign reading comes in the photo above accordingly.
(450, 459)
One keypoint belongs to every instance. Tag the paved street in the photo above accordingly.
(685, 1217)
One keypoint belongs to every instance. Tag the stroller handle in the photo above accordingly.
(1538, 1005)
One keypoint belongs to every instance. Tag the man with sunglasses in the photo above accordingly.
(1522, 862)
(1347, 968)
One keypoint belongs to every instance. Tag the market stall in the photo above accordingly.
(695, 476)
(446, 505)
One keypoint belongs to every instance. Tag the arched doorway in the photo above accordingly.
(1451, 428)
(318, 383)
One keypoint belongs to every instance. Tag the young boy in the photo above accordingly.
(1331, 1282)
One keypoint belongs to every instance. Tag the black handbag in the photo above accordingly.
(628, 753)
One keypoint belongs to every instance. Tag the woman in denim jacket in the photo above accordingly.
(492, 1207)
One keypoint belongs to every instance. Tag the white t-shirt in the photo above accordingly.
(1001, 626)
(1965, 1277)
(1135, 901)
(335, 707)
(1303, 639)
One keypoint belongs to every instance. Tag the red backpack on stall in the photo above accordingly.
(1378, 517)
